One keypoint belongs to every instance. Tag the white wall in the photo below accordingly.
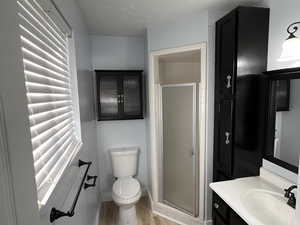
(110, 52)
(190, 29)
(282, 14)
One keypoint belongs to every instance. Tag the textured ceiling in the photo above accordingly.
(131, 17)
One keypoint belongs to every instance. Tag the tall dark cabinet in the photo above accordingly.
(241, 57)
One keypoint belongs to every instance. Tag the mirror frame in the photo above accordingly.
(282, 74)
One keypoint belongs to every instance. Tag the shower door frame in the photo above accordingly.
(205, 141)
(195, 151)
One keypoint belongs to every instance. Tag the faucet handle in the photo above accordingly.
(292, 200)
(287, 193)
(289, 190)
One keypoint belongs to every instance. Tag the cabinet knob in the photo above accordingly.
(216, 205)
(228, 85)
(227, 141)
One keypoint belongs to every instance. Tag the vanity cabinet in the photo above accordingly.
(241, 58)
(119, 94)
(223, 214)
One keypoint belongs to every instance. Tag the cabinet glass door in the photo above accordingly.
(109, 96)
(132, 95)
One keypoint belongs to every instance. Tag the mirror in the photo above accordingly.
(284, 118)
(287, 121)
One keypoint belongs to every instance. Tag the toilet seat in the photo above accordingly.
(126, 190)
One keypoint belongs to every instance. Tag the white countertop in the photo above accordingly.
(232, 191)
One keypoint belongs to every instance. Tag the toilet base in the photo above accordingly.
(127, 215)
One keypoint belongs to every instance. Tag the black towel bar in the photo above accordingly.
(55, 213)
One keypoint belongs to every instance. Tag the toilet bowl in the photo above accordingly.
(126, 190)
(126, 193)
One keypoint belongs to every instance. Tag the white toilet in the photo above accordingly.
(126, 189)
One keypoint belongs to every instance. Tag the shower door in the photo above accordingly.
(179, 152)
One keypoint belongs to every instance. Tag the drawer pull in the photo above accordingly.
(216, 205)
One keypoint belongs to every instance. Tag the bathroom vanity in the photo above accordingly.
(252, 200)
(268, 198)
(256, 118)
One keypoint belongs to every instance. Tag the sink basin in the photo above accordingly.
(268, 207)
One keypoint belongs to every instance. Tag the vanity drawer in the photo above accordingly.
(217, 220)
(221, 207)
(235, 219)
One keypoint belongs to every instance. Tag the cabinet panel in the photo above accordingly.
(109, 92)
(224, 151)
(235, 219)
(221, 207)
(132, 95)
(226, 54)
(217, 220)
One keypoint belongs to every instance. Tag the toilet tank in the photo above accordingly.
(124, 161)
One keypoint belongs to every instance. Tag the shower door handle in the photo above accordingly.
(192, 152)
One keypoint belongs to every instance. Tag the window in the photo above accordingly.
(49, 92)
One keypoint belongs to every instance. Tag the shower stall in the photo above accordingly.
(177, 116)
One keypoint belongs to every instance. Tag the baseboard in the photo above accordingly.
(208, 222)
(174, 214)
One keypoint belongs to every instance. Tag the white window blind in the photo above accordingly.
(48, 86)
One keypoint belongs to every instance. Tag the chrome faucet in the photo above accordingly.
(291, 196)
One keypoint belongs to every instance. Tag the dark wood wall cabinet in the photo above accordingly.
(240, 98)
(119, 94)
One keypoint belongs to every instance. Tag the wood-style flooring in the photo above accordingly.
(109, 214)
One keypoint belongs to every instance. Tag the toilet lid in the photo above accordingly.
(126, 187)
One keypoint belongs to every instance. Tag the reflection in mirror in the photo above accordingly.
(287, 125)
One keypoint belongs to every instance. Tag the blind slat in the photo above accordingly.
(43, 79)
(39, 97)
(43, 88)
(36, 119)
(45, 107)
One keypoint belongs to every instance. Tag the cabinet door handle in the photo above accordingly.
(227, 141)
(228, 85)
(216, 205)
